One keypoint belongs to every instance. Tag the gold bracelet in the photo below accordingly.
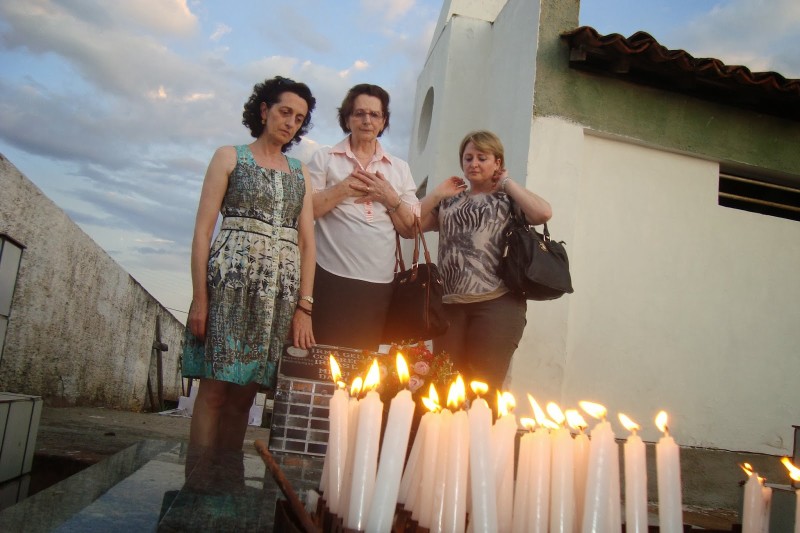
(391, 210)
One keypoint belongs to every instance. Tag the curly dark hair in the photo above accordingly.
(269, 92)
(350, 99)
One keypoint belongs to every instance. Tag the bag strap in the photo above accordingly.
(518, 218)
(418, 226)
(399, 264)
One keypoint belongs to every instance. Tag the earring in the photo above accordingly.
(263, 121)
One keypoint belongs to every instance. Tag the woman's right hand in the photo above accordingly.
(198, 317)
(450, 187)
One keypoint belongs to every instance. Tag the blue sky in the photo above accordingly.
(114, 108)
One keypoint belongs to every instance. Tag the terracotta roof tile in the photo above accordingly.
(641, 59)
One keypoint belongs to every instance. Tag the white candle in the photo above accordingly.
(539, 488)
(436, 520)
(484, 503)
(503, 433)
(423, 506)
(597, 512)
(337, 448)
(457, 464)
(562, 482)
(766, 506)
(365, 460)
(581, 447)
(522, 487)
(352, 429)
(668, 472)
(390, 468)
(794, 474)
(752, 514)
(635, 479)
(409, 486)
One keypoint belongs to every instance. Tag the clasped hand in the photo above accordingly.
(369, 187)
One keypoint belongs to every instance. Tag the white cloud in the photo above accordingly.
(220, 31)
(753, 33)
(392, 9)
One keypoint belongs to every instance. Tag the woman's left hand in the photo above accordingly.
(302, 332)
(376, 188)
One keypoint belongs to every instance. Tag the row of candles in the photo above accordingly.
(460, 461)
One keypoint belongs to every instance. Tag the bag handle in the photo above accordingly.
(399, 264)
(518, 217)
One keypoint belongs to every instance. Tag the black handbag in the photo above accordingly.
(416, 311)
(533, 265)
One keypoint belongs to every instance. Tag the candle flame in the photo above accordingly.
(794, 472)
(402, 370)
(595, 410)
(629, 424)
(356, 386)
(505, 403)
(549, 424)
(538, 412)
(373, 378)
(336, 372)
(433, 395)
(479, 388)
(575, 420)
(457, 393)
(430, 404)
(341, 384)
(661, 422)
(528, 423)
(555, 413)
(750, 471)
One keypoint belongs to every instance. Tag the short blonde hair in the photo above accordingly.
(484, 141)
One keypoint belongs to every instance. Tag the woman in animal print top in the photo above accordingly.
(471, 214)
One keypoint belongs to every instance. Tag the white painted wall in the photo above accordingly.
(680, 304)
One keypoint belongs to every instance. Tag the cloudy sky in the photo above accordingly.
(114, 108)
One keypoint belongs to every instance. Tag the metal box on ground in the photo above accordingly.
(19, 424)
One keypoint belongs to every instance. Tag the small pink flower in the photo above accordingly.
(422, 368)
(414, 383)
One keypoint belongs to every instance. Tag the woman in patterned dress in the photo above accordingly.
(252, 286)
(486, 321)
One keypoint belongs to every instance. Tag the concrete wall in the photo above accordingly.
(81, 329)
(680, 304)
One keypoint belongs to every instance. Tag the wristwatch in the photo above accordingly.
(309, 299)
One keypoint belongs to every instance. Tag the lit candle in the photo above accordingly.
(436, 520)
(539, 488)
(503, 433)
(581, 446)
(336, 456)
(365, 460)
(598, 513)
(352, 428)
(484, 503)
(392, 456)
(423, 506)
(409, 486)
(522, 486)
(668, 472)
(766, 493)
(635, 479)
(562, 476)
(752, 506)
(455, 505)
(794, 473)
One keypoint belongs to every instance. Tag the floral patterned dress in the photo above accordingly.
(253, 276)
